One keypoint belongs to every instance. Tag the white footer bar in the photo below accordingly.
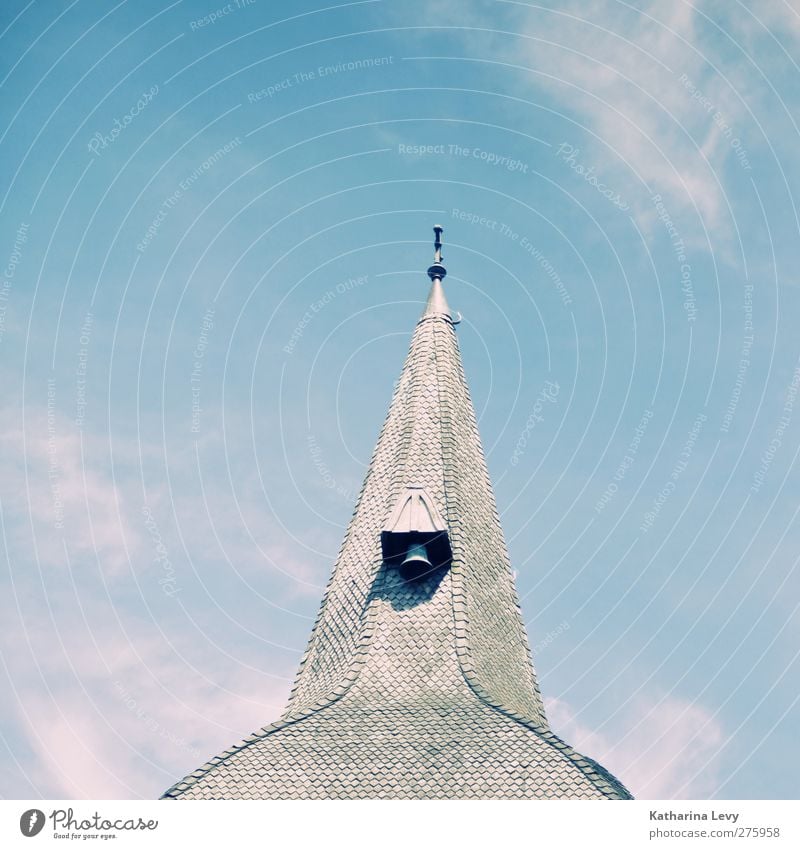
(411, 825)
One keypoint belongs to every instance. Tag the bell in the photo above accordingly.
(416, 565)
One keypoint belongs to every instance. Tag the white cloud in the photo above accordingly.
(128, 718)
(668, 753)
(616, 70)
(780, 17)
(62, 487)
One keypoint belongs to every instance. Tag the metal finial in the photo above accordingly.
(437, 269)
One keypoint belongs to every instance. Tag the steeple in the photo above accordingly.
(417, 681)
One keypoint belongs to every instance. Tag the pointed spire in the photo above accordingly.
(429, 440)
(417, 680)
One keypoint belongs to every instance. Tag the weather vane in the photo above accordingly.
(437, 269)
(438, 229)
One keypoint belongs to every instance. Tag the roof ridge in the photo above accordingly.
(462, 648)
(588, 766)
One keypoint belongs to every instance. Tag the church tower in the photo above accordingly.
(417, 682)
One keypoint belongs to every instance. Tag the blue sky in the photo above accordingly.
(215, 222)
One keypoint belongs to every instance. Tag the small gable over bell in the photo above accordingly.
(415, 536)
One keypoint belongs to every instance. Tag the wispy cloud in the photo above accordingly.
(104, 701)
(58, 481)
(616, 70)
(669, 754)
(113, 717)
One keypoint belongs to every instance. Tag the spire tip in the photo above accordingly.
(437, 270)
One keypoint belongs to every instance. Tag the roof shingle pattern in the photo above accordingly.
(415, 689)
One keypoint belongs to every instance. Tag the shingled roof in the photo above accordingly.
(423, 688)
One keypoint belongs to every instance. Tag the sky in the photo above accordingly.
(214, 226)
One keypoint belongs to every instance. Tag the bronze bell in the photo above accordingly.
(416, 565)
